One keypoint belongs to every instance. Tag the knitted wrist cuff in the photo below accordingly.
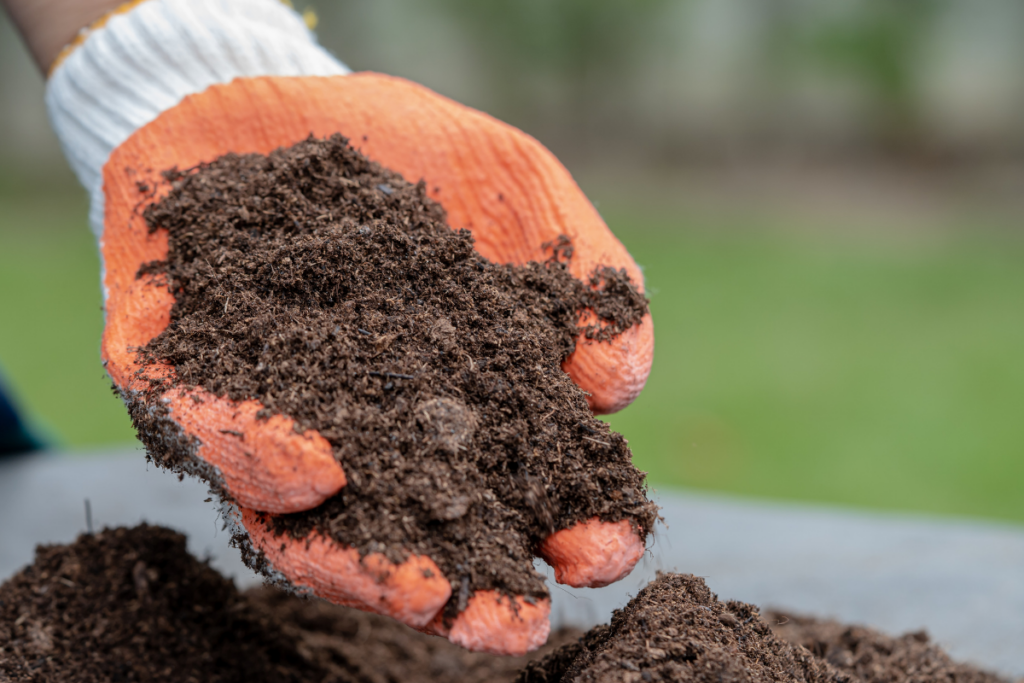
(142, 62)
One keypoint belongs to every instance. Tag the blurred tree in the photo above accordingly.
(560, 60)
(874, 44)
(674, 81)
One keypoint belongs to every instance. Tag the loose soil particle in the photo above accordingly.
(332, 291)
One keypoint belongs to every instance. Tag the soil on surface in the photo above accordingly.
(381, 649)
(332, 291)
(868, 656)
(676, 629)
(133, 605)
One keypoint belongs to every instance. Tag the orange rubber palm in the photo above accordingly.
(491, 178)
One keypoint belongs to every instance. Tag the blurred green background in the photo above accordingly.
(827, 200)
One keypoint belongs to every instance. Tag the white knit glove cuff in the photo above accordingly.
(145, 61)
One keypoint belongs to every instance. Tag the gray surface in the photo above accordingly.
(46, 495)
(961, 580)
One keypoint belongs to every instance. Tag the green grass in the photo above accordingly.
(50, 321)
(886, 373)
(870, 372)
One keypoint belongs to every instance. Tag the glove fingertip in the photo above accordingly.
(498, 624)
(412, 592)
(613, 373)
(264, 463)
(593, 553)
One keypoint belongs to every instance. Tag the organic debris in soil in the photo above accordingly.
(133, 605)
(677, 630)
(332, 291)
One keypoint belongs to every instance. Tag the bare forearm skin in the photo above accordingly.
(48, 25)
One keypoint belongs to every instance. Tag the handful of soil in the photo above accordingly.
(133, 605)
(331, 290)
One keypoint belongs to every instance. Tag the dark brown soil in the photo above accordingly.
(376, 648)
(868, 656)
(332, 291)
(676, 629)
(133, 605)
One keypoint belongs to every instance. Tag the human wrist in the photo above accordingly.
(48, 25)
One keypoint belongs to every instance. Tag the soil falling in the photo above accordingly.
(332, 291)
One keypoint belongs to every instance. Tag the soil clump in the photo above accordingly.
(332, 291)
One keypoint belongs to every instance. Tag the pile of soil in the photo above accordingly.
(676, 629)
(868, 656)
(332, 291)
(133, 605)
(375, 648)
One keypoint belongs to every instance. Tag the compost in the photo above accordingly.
(133, 605)
(677, 630)
(868, 656)
(332, 291)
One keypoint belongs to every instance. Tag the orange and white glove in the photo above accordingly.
(173, 83)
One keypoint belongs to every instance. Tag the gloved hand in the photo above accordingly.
(172, 83)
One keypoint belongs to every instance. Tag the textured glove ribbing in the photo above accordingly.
(145, 61)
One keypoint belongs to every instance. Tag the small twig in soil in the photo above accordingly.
(88, 516)
(603, 443)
